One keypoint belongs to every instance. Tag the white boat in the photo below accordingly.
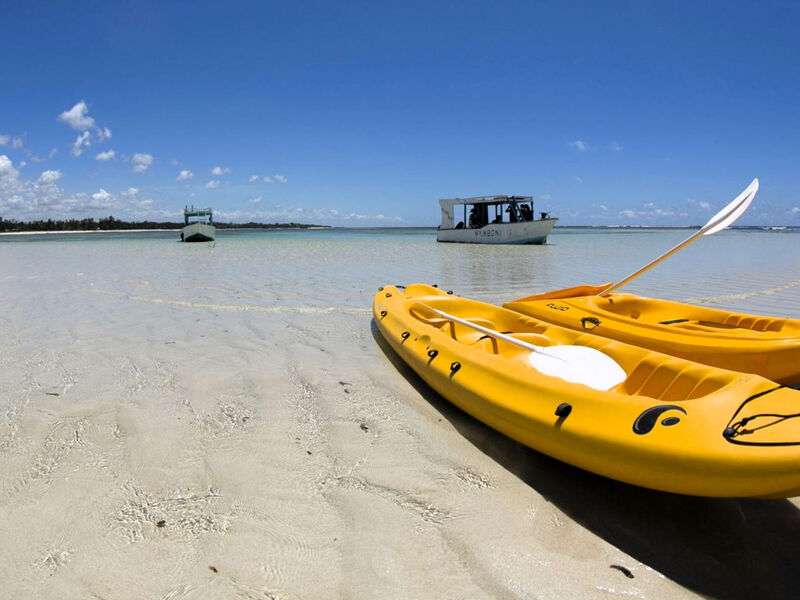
(493, 220)
(198, 225)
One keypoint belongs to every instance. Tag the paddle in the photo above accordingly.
(718, 222)
(576, 364)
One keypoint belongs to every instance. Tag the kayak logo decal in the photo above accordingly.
(556, 306)
(645, 422)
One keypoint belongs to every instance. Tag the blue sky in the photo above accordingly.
(366, 113)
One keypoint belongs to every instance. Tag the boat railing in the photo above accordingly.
(200, 215)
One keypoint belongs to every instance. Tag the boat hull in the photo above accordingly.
(672, 425)
(198, 232)
(524, 232)
(766, 346)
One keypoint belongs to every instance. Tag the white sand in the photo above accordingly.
(158, 441)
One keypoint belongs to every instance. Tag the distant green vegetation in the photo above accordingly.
(110, 223)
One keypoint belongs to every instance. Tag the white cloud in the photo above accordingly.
(318, 216)
(42, 198)
(184, 175)
(795, 211)
(275, 179)
(107, 155)
(16, 143)
(141, 162)
(7, 170)
(212, 184)
(53, 152)
(546, 197)
(101, 195)
(578, 179)
(81, 142)
(4, 139)
(702, 205)
(615, 146)
(580, 145)
(220, 171)
(253, 179)
(27, 200)
(650, 211)
(77, 117)
(49, 177)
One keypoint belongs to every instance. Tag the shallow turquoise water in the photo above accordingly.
(751, 270)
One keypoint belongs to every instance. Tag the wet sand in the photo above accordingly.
(171, 433)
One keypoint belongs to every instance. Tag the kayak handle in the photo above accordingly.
(592, 320)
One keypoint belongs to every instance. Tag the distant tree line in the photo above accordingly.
(110, 223)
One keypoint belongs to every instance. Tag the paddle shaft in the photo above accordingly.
(718, 222)
(649, 266)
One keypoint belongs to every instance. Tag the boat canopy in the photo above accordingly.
(448, 206)
(197, 214)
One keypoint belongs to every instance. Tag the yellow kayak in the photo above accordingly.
(766, 346)
(667, 423)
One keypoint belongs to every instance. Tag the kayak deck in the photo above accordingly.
(766, 346)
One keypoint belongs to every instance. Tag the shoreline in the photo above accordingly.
(77, 231)
(73, 231)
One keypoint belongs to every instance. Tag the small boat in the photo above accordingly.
(198, 225)
(493, 220)
(766, 346)
(667, 424)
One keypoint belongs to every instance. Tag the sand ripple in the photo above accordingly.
(185, 514)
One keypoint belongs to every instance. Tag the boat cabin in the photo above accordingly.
(475, 212)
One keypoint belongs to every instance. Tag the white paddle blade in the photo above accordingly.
(733, 210)
(579, 364)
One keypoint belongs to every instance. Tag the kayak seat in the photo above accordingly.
(670, 381)
(459, 332)
(734, 321)
(754, 323)
(635, 308)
